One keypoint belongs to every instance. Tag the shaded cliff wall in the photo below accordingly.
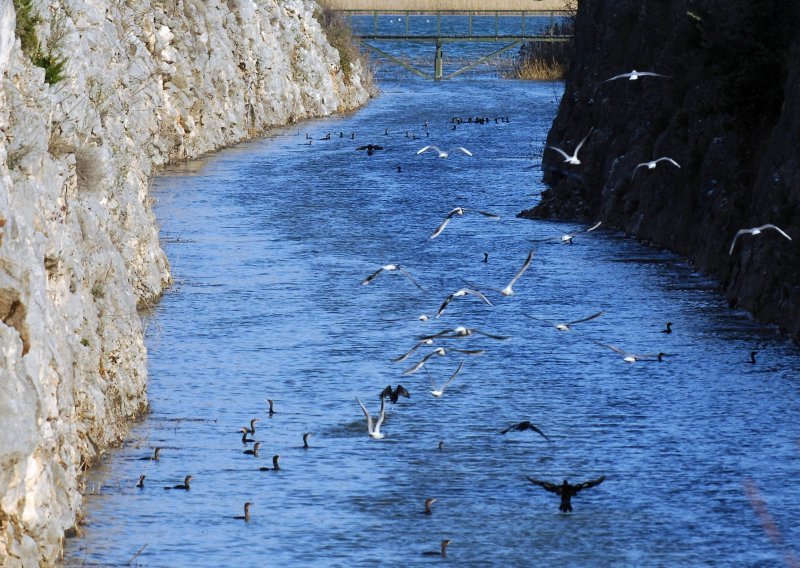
(729, 115)
(145, 82)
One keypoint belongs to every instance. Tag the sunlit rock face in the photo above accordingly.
(729, 114)
(145, 82)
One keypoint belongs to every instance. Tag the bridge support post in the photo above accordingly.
(437, 63)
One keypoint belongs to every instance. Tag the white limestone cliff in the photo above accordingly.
(146, 82)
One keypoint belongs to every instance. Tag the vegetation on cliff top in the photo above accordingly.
(27, 21)
(340, 36)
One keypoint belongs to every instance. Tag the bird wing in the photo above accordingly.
(541, 319)
(377, 147)
(670, 160)
(651, 74)
(386, 392)
(366, 413)
(733, 242)
(588, 484)
(371, 277)
(560, 151)
(401, 391)
(522, 270)
(408, 353)
(443, 333)
(417, 366)
(488, 214)
(444, 304)
(535, 429)
(426, 148)
(469, 351)
(588, 318)
(593, 227)
(361, 148)
(637, 169)
(613, 348)
(552, 487)
(618, 77)
(405, 273)
(770, 226)
(453, 376)
(440, 228)
(381, 416)
(477, 294)
(578, 147)
(491, 335)
(467, 152)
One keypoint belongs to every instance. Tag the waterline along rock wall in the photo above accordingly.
(729, 114)
(145, 82)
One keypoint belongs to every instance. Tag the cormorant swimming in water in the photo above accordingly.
(668, 328)
(326, 137)
(399, 170)
(753, 357)
(245, 439)
(252, 429)
(184, 485)
(305, 440)
(428, 503)
(271, 410)
(254, 451)
(275, 465)
(246, 516)
(442, 553)
(140, 485)
(525, 425)
(395, 394)
(370, 148)
(566, 490)
(486, 257)
(154, 457)
(441, 444)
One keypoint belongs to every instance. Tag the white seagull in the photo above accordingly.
(634, 75)
(757, 231)
(460, 212)
(566, 326)
(462, 331)
(651, 165)
(573, 159)
(442, 153)
(391, 268)
(440, 391)
(508, 291)
(632, 357)
(460, 294)
(440, 352)
(566, 238)
(374, 430)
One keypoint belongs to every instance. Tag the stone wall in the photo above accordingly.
(729, 114)
(146, 82)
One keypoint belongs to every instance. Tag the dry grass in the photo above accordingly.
(539, 69)
(339, 34)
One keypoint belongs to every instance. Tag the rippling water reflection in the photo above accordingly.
(268, 243)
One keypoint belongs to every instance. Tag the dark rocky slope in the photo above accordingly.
(729, 115)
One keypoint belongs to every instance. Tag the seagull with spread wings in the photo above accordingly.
(460, 294)
(442, 153)
(560, 326)
(573, 159)
(756, 231)
(391, 268)
(374, 430)
(459, 211)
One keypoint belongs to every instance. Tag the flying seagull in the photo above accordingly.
(634, 75)
(508, 291)
(566, 326)
(651, 165)
(573, 159)
(374, 430)
(632, 357)
(566, 238)
(525, 425)
(460, 212)
(566, 490)
(391, 268)
(462, 331)
(757, 231)
(459, 294)
(438, 392)
(442, 153)
(441, 352)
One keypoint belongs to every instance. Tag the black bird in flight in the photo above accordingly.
(396, 393)
(566, 490)
(370, 148)
(525, 425)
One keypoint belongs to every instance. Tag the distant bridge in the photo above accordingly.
(471, 9)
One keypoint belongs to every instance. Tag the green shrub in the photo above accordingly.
(27, 21)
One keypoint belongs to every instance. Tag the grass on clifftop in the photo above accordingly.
(340, 36)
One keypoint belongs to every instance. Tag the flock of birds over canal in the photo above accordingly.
(454, 342)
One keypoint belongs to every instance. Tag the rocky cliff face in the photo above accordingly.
(145, 82)
(729, 114)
